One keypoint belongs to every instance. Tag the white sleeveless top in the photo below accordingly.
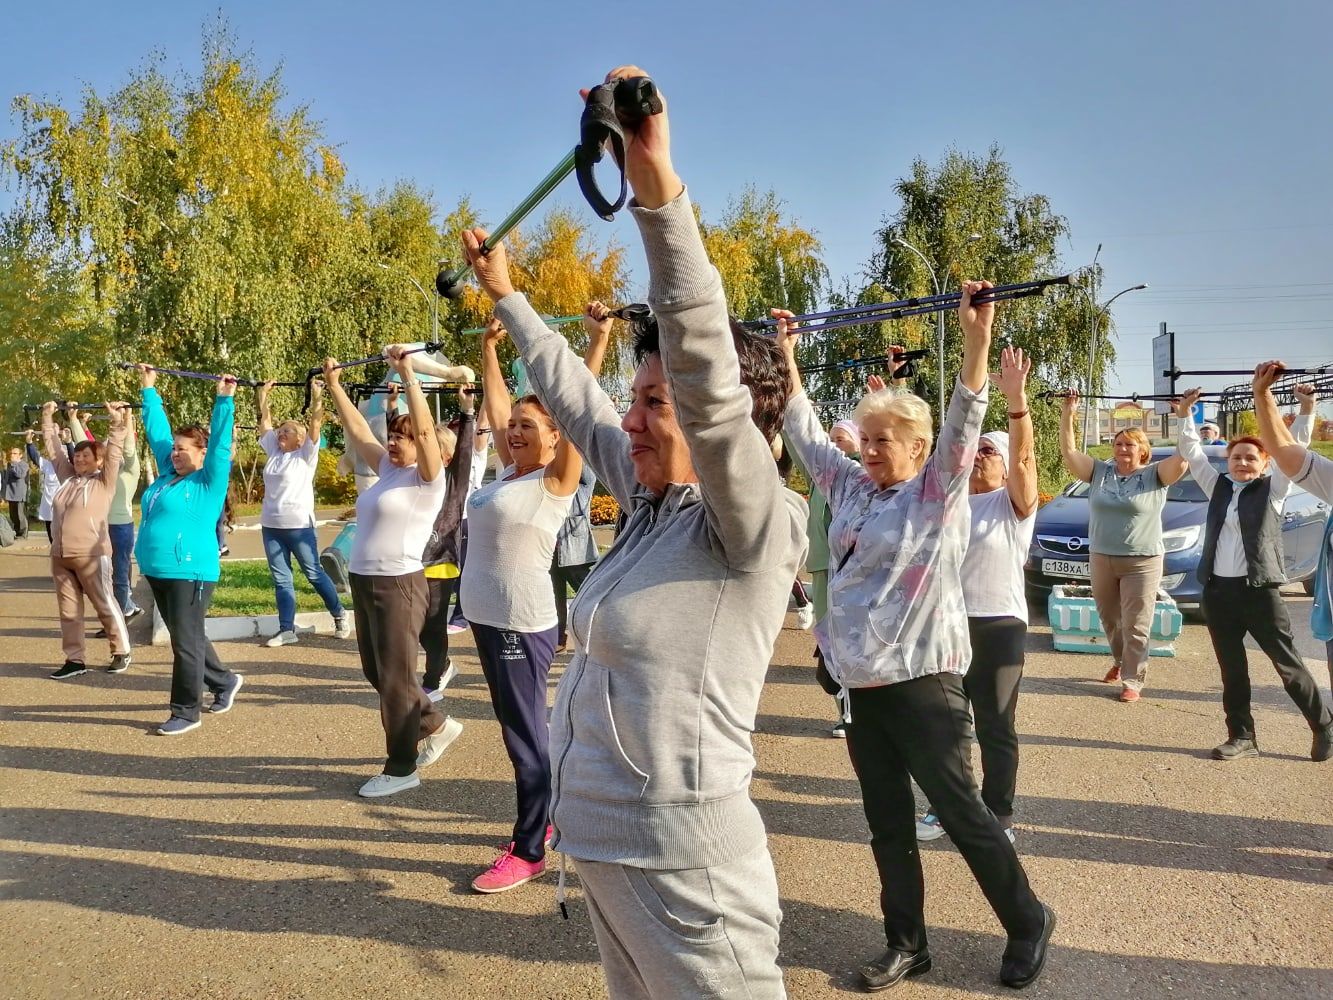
(996, 551)
(512, 528)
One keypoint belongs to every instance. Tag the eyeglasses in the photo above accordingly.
(986, 451)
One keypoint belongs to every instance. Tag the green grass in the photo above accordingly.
(245, 588)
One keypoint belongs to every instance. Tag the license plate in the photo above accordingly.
(1065, 567)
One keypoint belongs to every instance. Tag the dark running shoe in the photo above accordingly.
(72, 668)
(119, 663)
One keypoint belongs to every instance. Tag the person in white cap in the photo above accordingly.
(1210, 433)
(1002, 494)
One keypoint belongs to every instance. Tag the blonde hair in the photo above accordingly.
(1140, 439)
(908, 415)
(448, 440)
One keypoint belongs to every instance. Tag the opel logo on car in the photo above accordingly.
(1074, 544)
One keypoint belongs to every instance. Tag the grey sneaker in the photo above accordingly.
(388, 784)
(175, 726)
(929, 828)
(341, 630)
(282, 639)
(434, 745)
(1235, 748)
(119, 663)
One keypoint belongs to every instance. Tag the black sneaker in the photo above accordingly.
(839, 731)
(72, 668)
(119, 663)
(100, 634)
(1236, 748)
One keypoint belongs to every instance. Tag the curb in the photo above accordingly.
(234, 627)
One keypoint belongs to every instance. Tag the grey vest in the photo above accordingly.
(1260, 530)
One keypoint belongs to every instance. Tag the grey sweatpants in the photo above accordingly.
(686, 933)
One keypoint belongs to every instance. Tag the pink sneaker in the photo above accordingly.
(508, 872)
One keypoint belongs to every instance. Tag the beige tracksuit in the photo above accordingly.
(81, 546)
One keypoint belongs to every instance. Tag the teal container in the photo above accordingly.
(1077, 628)
(336, 556)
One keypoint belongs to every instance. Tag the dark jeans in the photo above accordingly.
(458, 618)
(389, 611)
(435, 628)
(18, 517)
(122, 550)
(516, 665)
(280, 544)
(562, 577)
(1234, 608)
(991, 684)
(183, 605)
(920, 729)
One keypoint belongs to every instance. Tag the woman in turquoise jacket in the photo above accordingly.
(177, 547)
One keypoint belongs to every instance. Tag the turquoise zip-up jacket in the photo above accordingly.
(178, 530)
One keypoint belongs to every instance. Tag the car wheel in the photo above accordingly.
(1196, 615)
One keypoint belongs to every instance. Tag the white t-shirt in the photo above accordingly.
(394, 519)
(512, 527)
(50, 483)
(289, 483)
(996, 551)
(481, 457)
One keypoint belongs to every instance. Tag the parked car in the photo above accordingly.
(1059, 552)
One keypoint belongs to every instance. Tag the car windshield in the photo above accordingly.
(1184, 489)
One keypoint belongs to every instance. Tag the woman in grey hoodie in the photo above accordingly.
(674, 627)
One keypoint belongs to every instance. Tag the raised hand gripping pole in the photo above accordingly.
(609, 108)
(316, 372)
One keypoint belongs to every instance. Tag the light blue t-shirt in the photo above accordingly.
(1126, 511)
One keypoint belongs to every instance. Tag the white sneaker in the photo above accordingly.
(341, 629)
(929, 828)
(434, 745)
(388, 784)
(805, 617)
(282, 639)
(1009, 832)
(450, 672)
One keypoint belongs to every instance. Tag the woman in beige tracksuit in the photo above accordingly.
(81, 541)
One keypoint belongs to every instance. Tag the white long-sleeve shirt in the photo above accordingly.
(1229, 559)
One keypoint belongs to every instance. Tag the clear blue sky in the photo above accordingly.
(1190, 139)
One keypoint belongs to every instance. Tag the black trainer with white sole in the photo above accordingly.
(72, 668)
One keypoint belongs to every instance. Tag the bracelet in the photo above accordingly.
(408, 383)
(1019, 415)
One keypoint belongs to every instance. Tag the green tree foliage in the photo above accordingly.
(941, 206)
(207, 223)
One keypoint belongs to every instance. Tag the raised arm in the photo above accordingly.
(314, 421)
(156, 427)
(424, 364)
(265, 412)
(828, 468)
(76, 429)
(429, 461)
(1190, 448)
(495, 400)
(597, 323)
(355, 428)
(956, 447)
(1012, 381)
(119, 412)
(1077, 463)
(221, 433)
(55, 448)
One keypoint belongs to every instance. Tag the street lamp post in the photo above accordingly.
(432, 302)
(1097, 313)
(939, 317)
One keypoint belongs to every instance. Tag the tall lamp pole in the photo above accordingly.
(939, 317)
(1097, 313)
(432, 301)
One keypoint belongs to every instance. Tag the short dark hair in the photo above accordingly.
(94, 446)
(763, 370)
(195, 432)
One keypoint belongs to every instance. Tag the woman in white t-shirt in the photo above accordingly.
(506, 593)
(1002, 495)
(394, 521)
(287, 518)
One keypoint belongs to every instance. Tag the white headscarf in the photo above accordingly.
(1000, 439)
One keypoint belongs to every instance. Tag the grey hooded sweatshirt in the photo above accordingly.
(673, 630)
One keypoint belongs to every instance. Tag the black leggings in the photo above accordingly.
(435, 628)
(991, 683)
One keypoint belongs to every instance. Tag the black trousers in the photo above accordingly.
(389, 611)
(1234, 608)
(18, 517)
(920, 729)
(183, 605)
(435, 628)
(991, 684)
(562, 576)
